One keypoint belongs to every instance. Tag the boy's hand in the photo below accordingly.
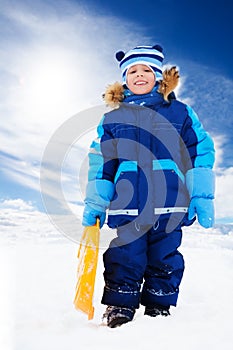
(169, 82)
(90, 216)
(204, 209)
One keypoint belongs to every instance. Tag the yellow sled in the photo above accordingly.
(86, 271)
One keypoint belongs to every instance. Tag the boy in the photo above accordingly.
(151, 167)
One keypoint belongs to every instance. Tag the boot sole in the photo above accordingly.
(117, 322)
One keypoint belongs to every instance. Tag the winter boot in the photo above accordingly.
(157, 310)
(117, 315)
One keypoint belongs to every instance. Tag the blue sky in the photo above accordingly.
(198, 30)
(58, 56)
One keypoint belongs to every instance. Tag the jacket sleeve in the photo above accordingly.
(200, 180)
(100, 187)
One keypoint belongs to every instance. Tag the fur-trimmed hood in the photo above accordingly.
(114, 93)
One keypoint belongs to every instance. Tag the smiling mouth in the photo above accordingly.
(141, 82)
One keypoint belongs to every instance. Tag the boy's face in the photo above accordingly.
(140, 79)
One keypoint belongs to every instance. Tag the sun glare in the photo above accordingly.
(47, 82)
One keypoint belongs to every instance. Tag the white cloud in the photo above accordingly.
(18, 204)
(20, 219)
(224, 204)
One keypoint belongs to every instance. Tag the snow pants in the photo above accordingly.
(147, 270)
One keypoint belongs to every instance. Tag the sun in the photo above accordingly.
(47, 81)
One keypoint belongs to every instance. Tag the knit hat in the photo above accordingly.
(151, 56)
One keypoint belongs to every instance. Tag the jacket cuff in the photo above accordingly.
(99, 193)
(200, 182)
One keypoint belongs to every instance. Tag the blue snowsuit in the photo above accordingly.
(150, 158)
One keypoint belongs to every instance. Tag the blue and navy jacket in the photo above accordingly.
(147, 159)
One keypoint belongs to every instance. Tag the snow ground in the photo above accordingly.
(38, 277)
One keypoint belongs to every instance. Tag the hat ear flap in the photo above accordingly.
(158, 47)
(120, 55)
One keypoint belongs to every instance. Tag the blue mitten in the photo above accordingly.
(200, 183)
(99, 193)
(90, 216)
(204, 209)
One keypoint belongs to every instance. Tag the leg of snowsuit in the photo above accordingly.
(125, 262)
(153, 256)
(165, 267)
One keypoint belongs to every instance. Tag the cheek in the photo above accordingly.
(153, 79)
(129, 80)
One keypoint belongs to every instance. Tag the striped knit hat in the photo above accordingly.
(151, 56)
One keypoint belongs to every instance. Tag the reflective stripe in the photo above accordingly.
(157, 211)
(133, 212)
(168, 164)
(168, 210)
